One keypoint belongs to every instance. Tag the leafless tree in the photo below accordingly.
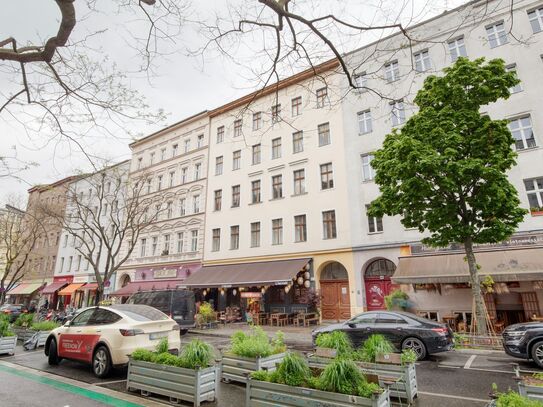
(105, 214)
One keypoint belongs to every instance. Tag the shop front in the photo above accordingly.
(25, 293)
(50, 292)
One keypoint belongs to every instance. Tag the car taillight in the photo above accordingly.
(130, 332)
(440, 331)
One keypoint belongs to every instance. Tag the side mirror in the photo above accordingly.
(351, 325)
(67, 323)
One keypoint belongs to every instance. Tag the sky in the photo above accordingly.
(182, 84)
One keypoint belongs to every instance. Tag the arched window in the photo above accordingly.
(125, 280)
(380, 268)
(334, 271)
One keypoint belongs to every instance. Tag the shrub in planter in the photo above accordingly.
(256, 344)
(24, 320)
(5, 331)
(374, 345)
(206, 312)
(337, 340)
(408, 356)
(513, 399)
(44, 326)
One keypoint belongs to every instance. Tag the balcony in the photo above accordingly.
(165, 258)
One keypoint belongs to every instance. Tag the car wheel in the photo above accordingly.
(537, 353)
(417, 346)
(101, 362)
(52, 357)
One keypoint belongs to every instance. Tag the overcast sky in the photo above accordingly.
(183, 85)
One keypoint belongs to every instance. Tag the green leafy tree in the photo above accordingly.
(444, 172)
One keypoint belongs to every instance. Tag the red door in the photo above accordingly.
(376, 289)
(335, 302)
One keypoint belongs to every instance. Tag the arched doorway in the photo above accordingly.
(125, 279)
(377, 280)
(335, 297)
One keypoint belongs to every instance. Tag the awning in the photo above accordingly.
(502, 265)
(25, 289)
(71, 289)
(279, 272)
(154, 285)
(51, 288)
(89, 287)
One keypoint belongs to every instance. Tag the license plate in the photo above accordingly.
(157, 335)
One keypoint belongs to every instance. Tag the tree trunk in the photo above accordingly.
(2, 296)
(480, 311)
(99, 295)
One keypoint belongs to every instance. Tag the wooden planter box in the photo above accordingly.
(272, 394)
(23, 334)
(403, 378)
(530, 391)
(177, 383)
(8, 344)
(236, 368)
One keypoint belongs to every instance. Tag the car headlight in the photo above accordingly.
(516, 335)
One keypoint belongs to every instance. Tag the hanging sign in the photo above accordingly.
(249, 294)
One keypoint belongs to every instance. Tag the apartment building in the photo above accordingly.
(173, 165)
(384, 251)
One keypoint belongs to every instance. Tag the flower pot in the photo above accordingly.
(236, 368)
(8, 344)
(177, 383)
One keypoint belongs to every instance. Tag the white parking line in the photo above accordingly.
(111, 382)
(469, 361)
(449, 396)
(449, 366)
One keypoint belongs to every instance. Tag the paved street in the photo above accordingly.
(449, 379)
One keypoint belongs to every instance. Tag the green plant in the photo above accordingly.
(278, 343)
(538, 376)
(293, 370)
(44, 326)
(24, 320)
(162, 346)
(368, 389)
(459, 339)
(261, 375)
(197, 354)
(408, 356)
(512, 399)
(374, 345)
(144, 355)
(207, 312)
(341, 376)
(337, 340)
(4, 328)
(256, 343)
(397, 299)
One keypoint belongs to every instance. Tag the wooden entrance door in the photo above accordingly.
(335, 300)
(376, 289)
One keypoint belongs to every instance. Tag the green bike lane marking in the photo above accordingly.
(70, 388)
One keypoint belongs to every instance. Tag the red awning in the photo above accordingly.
(51, 288)
(89, 287)
(155, 285)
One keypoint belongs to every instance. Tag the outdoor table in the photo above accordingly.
(309, 317)
(279, 318)
(262, 318)
(299, 318)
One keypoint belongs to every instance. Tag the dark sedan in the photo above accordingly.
(404, 330)
(13, 311)
(525, 341)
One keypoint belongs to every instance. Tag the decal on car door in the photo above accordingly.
(78, 346)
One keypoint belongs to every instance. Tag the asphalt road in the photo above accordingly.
(449, 379)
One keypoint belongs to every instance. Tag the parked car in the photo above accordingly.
(178, 304)
(404, 330)
(13, 310)
(105, 336)
(525, 341)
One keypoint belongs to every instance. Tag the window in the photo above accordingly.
(257, 120)
(169, 209)
(329, 225)
(159, 183)
(182, 207)
(457, 48)
(255, 188)
(255, 234)
(216, 240)
(296, 106)
(536, 19)
(236, 160)
(140, 160)
(327, 178)
(277, 231)
(513, 68)
(154, 244)
(276, 148)
(323, 131)
(361, 81)
(175, 149)
(197, 171)
(256, 154)
(276, 113)
(194, 241)
(218, 200)
(299, 182)
(200, 141)
(397, 112)
(220, 134)
(367, 170)
(522, 132)
(297, 142)
(152, 158)
(65, 244)
(496, 35)
(162, 154)
(235, 196)
(143, 246)
(392, 71)
(180, 241)
(187, 145)
(364, 122)
(374, 224)
(277, 186)
(234, 237)
(300, 228)
(196, 204)
(166, 248)
(534, 188)
(61, 264)
(322, 97)
(148, 186)
(237, 128)
(422, 61)
(172, 177)
(218, 165)
(78, 262)
(184, 175)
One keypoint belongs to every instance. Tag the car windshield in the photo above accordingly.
(140, 312)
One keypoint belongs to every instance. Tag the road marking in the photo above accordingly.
(449, 396)
(111, 382)
(469, 361)
(449, 366)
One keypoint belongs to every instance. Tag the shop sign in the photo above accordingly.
(81, 279)
(165, 273)
(249, 294)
